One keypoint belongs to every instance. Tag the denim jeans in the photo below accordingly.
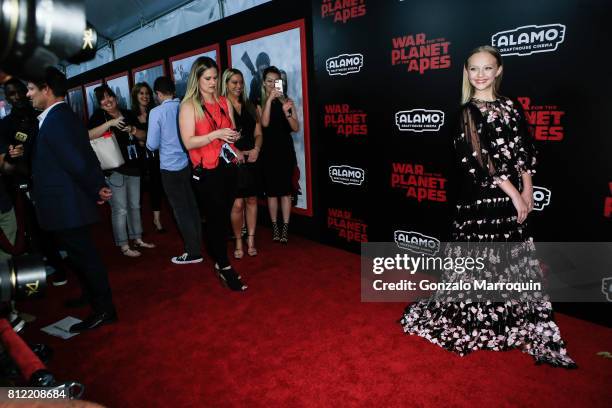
(125, 205)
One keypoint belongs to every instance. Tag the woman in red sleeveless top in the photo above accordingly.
(206, 124)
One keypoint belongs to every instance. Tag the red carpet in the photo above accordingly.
(299, 337)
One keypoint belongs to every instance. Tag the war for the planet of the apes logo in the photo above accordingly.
(348, 227)
(545, 120)
(419, 53)
(419, 184)
(531, 39)
(347, 175)
(608, 203)
(416, 242)
(345, 120)
(344, 64)
(343, 10)
(419, 120)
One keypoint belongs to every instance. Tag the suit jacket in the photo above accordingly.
(66, 174)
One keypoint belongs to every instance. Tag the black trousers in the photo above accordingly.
(156, 192)
(41, 241)
(217, 191)
(77, 242)
(179, 192)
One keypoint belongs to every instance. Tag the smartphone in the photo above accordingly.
(278, 84)
(228, 154)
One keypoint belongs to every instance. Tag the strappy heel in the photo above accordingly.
(230, 279)
(251, 250)
(275, 232)
(130, 253)
(238, 253)
(284, 238)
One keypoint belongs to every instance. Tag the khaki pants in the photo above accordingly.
(8, 225)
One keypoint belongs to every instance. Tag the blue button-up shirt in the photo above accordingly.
(163, 134)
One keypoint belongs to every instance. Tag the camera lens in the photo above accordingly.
(16, 16)
(88, 46)
(22, 278)
(40, 33)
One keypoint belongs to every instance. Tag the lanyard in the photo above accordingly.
(210, 117)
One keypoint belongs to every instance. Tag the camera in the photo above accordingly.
(22, 278)
(37, 34)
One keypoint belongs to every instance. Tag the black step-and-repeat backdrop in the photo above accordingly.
(388, 81)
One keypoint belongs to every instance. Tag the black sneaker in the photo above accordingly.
(186, 259)
(59, 278)
(16, 321)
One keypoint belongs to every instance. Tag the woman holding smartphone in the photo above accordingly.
(207, 131)
(279, 120)
(496, 154)
(247, 119)
(125, 180)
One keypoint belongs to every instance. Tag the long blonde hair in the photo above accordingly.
(227, 74)
(192, 94)
(467, 90)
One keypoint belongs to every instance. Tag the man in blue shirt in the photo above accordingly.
(163, 134)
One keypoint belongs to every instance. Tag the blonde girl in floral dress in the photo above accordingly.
(497, 160)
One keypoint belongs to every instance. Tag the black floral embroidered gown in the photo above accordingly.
(492, 145)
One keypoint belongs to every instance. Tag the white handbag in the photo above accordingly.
(108, 151)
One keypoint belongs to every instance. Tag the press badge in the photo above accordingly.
(22, 137)
(132, 152)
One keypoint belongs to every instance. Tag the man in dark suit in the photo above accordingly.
(66, 184)
(17, 132)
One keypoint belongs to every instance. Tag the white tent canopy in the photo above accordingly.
(126, 26)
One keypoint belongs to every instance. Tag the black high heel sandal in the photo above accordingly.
(275, 232)
(159, 230)
(230, 279)
(284, 238)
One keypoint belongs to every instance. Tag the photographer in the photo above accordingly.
(15, 130)
(17, 133)
(8, 221)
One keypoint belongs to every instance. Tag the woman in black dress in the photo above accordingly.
(142, 103)
(497, 159)
(247, 119)
(279, 120)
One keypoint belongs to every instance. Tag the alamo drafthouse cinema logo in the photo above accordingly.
(344, 64)
(541, 197)
(416, 242)
(527, 40)
(347, 175)
(606, 288)
(419, 120)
